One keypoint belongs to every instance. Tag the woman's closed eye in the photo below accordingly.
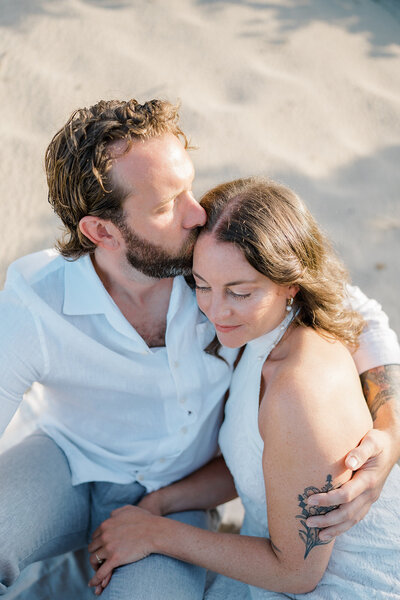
(238, 296)
(235, 295)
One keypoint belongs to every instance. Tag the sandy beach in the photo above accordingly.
(304, 91)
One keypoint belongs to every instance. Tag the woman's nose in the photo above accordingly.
(219, 311)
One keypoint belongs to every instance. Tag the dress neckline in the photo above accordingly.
(263, 345)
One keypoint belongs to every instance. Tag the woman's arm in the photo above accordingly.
(374, 457)
(306, 438)
(379, 450)
(205, 488)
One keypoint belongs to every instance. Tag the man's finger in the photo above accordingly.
(367, 448)
(346, 513)
(328, 533)
(360, 483)
(331, 518)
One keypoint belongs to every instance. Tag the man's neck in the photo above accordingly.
(142, 300)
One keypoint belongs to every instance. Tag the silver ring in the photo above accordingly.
(99, 560)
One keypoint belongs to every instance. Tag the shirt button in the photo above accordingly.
(140, 477)
(184, 430)
(182, 400)
(176, 364)
(162, 460)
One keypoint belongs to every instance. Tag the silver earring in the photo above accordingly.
(289, 304)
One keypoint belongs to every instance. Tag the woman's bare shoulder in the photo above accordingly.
(313, 357)
(315, 382)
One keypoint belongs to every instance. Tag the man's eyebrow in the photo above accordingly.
(229, 283)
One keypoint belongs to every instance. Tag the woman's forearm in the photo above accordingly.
(249, 559)
(132, 534)
(205, 488)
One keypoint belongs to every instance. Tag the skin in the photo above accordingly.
(303, 438)
(242, 307)
(160, 208)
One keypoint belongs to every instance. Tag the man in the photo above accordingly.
(109, 341)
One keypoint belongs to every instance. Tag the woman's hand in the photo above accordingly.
(371, 462)
(126, 537)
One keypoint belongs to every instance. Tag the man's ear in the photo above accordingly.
(102, 233)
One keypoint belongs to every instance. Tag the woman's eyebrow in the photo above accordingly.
(197, 275)
(229, 283)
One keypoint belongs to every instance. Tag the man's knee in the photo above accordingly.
(41, 513)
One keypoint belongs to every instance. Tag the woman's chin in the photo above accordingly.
(225, 341)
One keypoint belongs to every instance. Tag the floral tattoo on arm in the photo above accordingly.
(310, 535)
(381, 385)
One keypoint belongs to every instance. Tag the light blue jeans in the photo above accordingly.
(42, 515)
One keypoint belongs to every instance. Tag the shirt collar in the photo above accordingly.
(84, 292)
(86, 295)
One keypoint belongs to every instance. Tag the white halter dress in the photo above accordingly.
(365, 561)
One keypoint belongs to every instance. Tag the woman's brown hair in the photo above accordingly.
(280, 238)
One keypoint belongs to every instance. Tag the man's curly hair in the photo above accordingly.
(78, 162)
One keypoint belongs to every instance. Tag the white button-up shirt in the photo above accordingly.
(120, 410)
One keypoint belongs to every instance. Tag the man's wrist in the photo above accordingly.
(391, 440)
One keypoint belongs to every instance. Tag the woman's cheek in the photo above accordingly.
(201, 301)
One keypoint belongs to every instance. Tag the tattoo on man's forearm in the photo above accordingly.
(380, 385)
(310, 535)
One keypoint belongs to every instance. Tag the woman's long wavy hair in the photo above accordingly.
(280, 238)
(78, 162)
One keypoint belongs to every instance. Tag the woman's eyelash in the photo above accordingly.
(235, 296)
(238, 296)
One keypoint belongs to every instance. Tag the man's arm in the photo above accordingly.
(22, 354)
(381, 387)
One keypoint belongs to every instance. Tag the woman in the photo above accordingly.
(268, 280)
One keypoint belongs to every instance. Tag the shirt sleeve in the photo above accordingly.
(378, 342)
(21, 354)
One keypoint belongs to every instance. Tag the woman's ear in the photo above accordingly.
(101, 232)
(292, 290)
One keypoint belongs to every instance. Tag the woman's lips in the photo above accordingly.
(226, 328)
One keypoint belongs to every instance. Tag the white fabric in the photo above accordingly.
(120, 411)
(365, 560)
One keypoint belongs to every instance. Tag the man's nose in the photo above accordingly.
(195, 215)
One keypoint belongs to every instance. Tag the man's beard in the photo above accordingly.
(152, 260)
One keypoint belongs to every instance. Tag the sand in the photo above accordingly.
(305, 91)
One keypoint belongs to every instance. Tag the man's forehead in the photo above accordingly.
(153, 158)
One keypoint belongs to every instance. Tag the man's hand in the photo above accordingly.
(124, 538)
(372, 462)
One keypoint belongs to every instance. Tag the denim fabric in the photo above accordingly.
(42, 515)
